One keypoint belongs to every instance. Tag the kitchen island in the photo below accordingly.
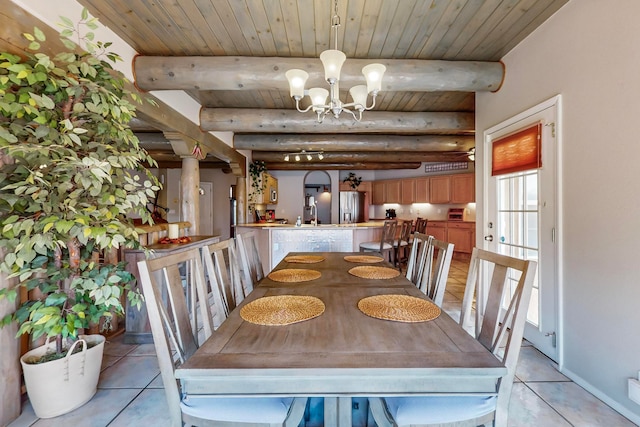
(275, 240)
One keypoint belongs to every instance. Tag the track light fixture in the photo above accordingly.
(304, 154)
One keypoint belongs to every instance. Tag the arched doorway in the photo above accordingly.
(317, 189)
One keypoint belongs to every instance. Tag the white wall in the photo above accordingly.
(589, 53)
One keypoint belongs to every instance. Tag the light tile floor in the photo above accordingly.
(130, 389)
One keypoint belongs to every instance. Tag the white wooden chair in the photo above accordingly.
(221, 263)
(501, 310)
(436, 270)
(385, 245)
(250, 263)
(172, 331)
(417, 257)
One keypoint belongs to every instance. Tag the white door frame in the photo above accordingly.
(482, 228)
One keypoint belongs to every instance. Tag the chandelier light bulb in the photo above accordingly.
(297, 157)
(320, 156)
(309, 157)
(286, 158)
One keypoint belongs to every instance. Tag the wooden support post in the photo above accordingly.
(190, 184)
(241, 199)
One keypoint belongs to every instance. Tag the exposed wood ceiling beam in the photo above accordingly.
(357, 143)
(340, 166)
(253, 73)
(291, 121)
(374, 157)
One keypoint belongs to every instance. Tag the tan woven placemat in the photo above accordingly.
(304, 259)
(399, 308)
(294, 275)
(372, 272)
(282, 310)
(365, 259)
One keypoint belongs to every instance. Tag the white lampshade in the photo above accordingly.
(373, 74)
(332, 61)
(297, 79)
(359, 94)
(318, 96)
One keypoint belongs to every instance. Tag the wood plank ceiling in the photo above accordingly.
(250, 96)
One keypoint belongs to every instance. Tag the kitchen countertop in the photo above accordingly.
(370, 224)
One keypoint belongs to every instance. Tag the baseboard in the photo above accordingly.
(616, 406)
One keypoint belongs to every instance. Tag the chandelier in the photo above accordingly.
(332, 61)
(303, 154)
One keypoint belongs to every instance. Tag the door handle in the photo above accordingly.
(488, 238)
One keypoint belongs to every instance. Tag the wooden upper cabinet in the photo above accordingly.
(407, 191)
(421, 190)
(463, 188)
(393, 191)
(365, 186)
(345, 186)
(440, 189)
(378, 192)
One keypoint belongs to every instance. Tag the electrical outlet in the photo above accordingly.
(634, 390)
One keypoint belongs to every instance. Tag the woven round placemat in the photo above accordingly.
(365, 259)
(294, 275)
(372, 272)
(282, 310)
(399, 308)
(304, 259)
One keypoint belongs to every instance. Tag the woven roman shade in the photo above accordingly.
(517, 152)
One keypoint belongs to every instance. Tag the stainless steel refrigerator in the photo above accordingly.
(351, 207)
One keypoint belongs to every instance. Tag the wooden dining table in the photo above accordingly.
(342, 353)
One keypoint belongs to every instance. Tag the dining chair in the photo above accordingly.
(417, 257)
(172, 331)
(221, 267)
(250, 262)
(435, 271)
(501, 310)
(421, 225)
(385, 245)
(402, 245)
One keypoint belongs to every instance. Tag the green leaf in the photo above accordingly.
(39, 34)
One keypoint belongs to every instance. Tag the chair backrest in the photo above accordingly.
(172, 324)
(421, 225)
(250, 263)
(221, 267)
(510, 281)
(388, 233)
(417, 257)
(436, 269)
(405, 232)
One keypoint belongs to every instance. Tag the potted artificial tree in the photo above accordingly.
(71, 170)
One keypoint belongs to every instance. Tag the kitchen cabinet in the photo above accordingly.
(462, 235)
(439, 189)
(421, 190)
(378, 192)
(407, 191)
(392, 191)
(463, 188)
(438, 229)
(269, 194)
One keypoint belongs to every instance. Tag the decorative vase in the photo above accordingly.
(65, 384)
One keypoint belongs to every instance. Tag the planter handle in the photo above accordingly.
(70, 352)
